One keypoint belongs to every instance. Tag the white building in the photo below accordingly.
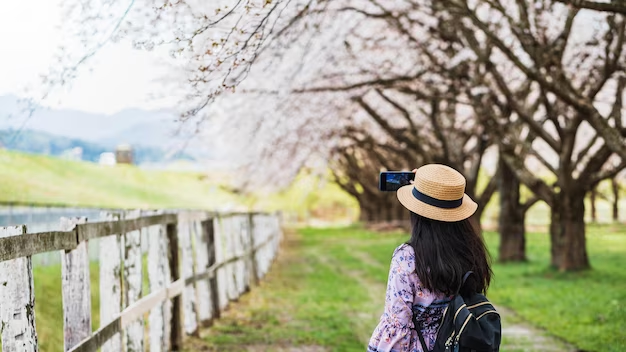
(107, 159)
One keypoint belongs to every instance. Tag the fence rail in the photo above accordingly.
(197, 263)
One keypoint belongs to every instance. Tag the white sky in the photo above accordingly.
(119, 78)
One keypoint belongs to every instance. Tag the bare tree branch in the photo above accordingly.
(613, 6)
(536, 185)
(608, 173)
(489, 190)
(529, 203)
(379, 82)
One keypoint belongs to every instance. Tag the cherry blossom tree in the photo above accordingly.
(573, 76)
(395, 112)
(213, 44)
(614, 6)
(564, 86)
(369, 85)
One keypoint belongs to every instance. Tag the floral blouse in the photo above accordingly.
(405, 297)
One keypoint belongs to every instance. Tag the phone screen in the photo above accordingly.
(391, 181)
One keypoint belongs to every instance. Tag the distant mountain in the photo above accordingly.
(44, 143)
(155, 129)
(144, 132)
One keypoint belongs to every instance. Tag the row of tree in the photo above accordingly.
(368, 85)
(420, 81)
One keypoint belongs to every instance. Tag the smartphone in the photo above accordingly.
(391, 181)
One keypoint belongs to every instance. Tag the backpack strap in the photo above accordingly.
(467, 274)
(419, 334)
(424, 347)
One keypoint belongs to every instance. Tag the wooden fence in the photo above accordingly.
(197, 263)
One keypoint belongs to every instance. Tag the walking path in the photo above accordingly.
(519, 336)
(267, 318)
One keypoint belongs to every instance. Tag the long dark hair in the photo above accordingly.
(445, 251)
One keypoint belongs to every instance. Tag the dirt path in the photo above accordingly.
(518, 336)
(367, 318)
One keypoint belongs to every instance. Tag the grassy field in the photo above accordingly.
(35, 179)
(326, 293)
(585, 308)
(328, 286)
(49, 303)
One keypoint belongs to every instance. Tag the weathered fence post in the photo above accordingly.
(231, 270)
(76, 289)
(278, 235)
(209, 229)
(185, 229)
(260, 229)
(252, 244)
(269, 249)
(132, 280)
(159, 277)
(243, 264)
(17, 300)
(220, 256)
(179, 287)
(176, 337)
(203, 293)
(110, 283)
(235, 244)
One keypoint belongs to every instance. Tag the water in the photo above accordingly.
(43, 219)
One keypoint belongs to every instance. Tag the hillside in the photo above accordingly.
(36, 179)
(155, 129)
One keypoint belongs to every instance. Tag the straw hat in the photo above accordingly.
(438, 193)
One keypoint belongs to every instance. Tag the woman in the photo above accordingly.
(427, 271)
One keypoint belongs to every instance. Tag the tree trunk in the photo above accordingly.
(381, 207)
(567, 231)
(389, 206)
(615, 187)
(402, 215)
(594, 215)
(478, 215)
(511, 221)
(365, 212)
(401, 212)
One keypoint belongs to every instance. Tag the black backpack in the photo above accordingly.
(469, 324)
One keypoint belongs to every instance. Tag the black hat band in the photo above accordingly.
(445, 204)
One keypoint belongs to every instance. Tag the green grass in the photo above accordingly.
(310, 196)
(315, 296)
(328, 289)
(36, 179)
(587, 308)
(49, 305)
(41, 180)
